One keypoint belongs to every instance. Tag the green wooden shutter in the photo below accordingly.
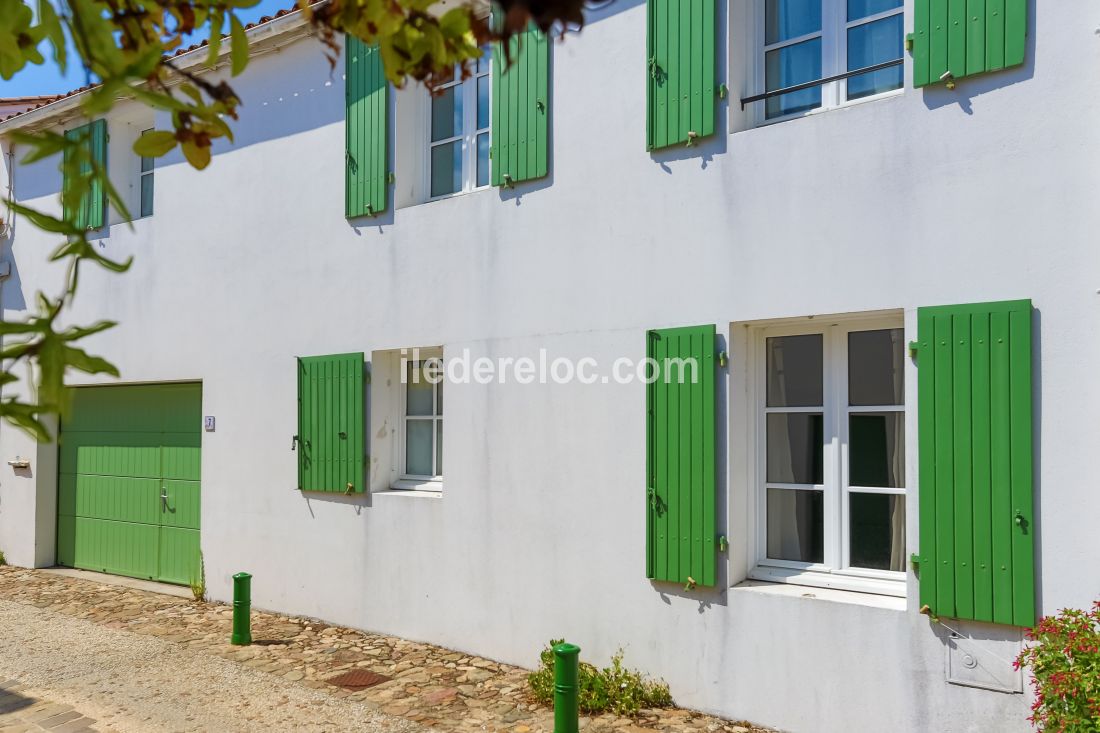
(681, 90)
(91, 211)
(367, 123)
(331, 433)
(680, 456)
(977, 525)
(966, 37)
(519, 132)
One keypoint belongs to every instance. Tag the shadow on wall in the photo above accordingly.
(966, 89)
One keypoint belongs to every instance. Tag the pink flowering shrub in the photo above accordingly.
(1064, 659)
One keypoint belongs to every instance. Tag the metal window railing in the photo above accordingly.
(819, 82)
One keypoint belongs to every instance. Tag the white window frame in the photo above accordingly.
(834, 58)
(834, 570)
(470, 131)
(406, 480)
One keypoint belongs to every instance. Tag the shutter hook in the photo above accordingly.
(690, 584)
(508, 182)
(692, 135)
(948, 77)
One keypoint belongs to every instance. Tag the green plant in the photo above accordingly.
(614, 688)
(1064, 659)
(198, 585)
(3, 560)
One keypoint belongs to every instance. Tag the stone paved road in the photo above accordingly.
(21, 712)
(136, 660)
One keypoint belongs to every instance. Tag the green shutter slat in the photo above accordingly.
(520, 100)
(680, 91)
(981, 486)
(366, 128)
(975, 445)
(331, 429)
(966, 37)
(680, 458)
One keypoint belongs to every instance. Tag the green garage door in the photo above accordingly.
(128, 489)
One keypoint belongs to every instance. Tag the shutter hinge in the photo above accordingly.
(914, 560)
(927, 611)
(909, 40)
(723, 543)
(723, 359)
(723, 91)
(913, 349)
(391, 178)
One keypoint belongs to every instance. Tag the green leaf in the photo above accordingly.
(85, 362)
(44, 222)
(198, 157)
(238, 45)
(155, 144)
(217, 21)
(25, 417)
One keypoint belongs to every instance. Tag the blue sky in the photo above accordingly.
(46, 79)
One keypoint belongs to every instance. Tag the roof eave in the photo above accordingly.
(69, 106)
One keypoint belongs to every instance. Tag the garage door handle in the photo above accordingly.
(164, 502)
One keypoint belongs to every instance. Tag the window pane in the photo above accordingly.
(418, 447)
(146, 163)
(795, 448)
(877, 526)
(483, 159)
(439, 397)
(482, 102)
(486, 61)
(447, 113)
(788, 66)
(794, 371)
(439, 448)
(870, 44)
(419, 395)
(876, 450)
(862, 8)
(796, 525)
(785, 19)
(147, 194)
(876, 367)
(447, 168)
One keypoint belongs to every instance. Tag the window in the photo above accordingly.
(458, 145)
(423, 421)
(832, 474)
(146, 183)
(807, 40)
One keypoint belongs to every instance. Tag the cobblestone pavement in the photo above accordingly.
(436, 687)
(22, 712)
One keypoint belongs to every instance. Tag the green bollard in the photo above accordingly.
(566, 663)
(242, 607)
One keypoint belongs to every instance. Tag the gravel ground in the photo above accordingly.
(130, 682)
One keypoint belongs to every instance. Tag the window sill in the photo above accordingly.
(411, 493)
(849, 585)
(414, 487)
(816, 593)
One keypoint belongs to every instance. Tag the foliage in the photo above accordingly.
(3, 560)
(128, 45)
(198, 585)
(1064, 659)
(612, 689)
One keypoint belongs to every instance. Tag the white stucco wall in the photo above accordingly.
(925, 198)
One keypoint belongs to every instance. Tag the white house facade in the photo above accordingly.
(888, 281)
